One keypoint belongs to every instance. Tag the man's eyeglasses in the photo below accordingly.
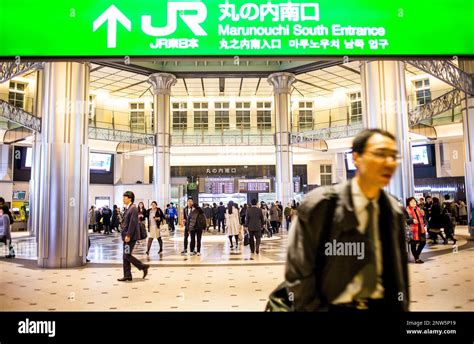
(386, 155)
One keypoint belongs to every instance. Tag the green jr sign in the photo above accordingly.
(82, 28)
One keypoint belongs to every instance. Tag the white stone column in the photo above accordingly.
(35, 184)
(162, 83)
(281, 83)
(6, 167)
(61, 172)
(339, 174)
(385, 100)
(467, 110)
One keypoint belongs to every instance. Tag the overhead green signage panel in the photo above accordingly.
(229, 28)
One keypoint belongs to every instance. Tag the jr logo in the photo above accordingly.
(112, 16)
(193, 21)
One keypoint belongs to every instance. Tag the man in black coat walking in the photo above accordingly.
(347, 250)
(220, 217)
(130, 235)
(254, 222)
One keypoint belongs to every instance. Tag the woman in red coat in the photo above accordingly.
(417, 227)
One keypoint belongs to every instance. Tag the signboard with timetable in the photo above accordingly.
(218, 186)
(236, 28)
(254, 185)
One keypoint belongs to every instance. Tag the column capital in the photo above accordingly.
(162, 82)
(281, 82)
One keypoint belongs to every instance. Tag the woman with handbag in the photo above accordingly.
(155, 218)
(142, 216)
(417, 227)
(232, 219)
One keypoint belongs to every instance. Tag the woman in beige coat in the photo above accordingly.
(232, 219)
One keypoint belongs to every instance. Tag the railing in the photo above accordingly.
(9, 70)
(443, 108)
(119, 120)
(447, 72)
(28, 103)
(231, 138)
(328, 133)
(121, 136)
(19, 116)
(329, 118)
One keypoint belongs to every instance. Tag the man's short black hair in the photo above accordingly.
(2, 200)
(221, 203)
(190, 198)
(253, 201)
(360, 141)
(130, 195)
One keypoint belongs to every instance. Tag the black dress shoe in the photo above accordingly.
(145, 271)
(124, 279)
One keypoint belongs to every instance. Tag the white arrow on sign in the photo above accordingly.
(112, 15)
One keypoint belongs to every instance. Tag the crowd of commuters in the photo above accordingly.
(428, 218)
(250, 221)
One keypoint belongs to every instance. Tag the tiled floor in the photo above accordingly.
(220, 280)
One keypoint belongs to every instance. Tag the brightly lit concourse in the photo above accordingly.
(236, 158)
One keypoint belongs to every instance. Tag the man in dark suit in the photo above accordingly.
(347, 252)
(187, 213)
(130, 235)
(221, 217)
(254, 222)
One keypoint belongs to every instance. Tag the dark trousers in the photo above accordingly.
(274, 226)
(194, 233)
(417, 247)
(128, 259)
(171, 224)
(434, 235)
(150, 242)
(186, 236)
(236, 240)
(214, 222)
(288, 222)
(221, 221)
(107, 229)
(258, 236)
